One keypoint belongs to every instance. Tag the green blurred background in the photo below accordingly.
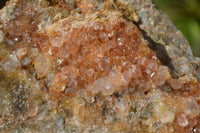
(185, 14)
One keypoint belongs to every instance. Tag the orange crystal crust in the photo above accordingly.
(90, 72)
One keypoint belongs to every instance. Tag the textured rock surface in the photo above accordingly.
(82, 66)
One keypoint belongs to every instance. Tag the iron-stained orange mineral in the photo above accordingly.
(95, 66)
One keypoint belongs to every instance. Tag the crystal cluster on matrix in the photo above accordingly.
(91, 72)
(101, 57)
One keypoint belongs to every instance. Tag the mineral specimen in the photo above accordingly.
(95, 66)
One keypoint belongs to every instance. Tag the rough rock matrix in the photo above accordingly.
(95, 66)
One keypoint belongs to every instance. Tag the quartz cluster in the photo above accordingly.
(85, 66)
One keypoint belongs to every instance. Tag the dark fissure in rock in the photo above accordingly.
(3, 3)
(160, 50)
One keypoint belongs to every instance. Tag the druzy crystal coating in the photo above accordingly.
(82, 66)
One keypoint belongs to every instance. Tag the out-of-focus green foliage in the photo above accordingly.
(186, 16)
